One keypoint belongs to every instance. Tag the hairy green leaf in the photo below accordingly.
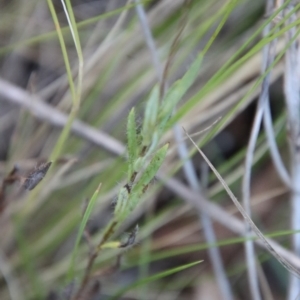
(149, 173)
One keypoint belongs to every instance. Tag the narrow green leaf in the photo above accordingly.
(190, 76)
(74, 28)
(179, 88)
(132, 142)
(147, 280)
(234, 62)
(150, 117)
(83, 223)
(172, 97)
(148, 175)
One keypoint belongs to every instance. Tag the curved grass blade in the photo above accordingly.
(83, 223)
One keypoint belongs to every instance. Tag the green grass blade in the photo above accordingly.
(150, 117)
(155, 277)
(83, 223)
(148, 174)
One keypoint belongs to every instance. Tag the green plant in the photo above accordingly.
(96, 111)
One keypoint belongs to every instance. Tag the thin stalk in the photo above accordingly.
(31, 202)
(274, 151)
(292, 97)
(73, 27)
(249, 246)
(246, 183)
(268, 124)
(75, 92)
(75, 95)
(63, 49)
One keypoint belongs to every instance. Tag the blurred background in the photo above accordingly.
(38, 228)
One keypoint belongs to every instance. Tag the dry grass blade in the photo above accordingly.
(284, 263)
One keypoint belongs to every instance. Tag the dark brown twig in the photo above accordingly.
(36, 176)
(91, 260)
